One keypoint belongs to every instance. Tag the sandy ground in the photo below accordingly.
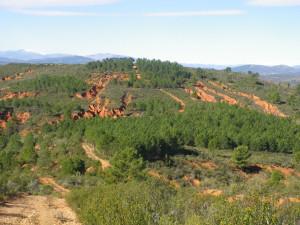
(37, 210)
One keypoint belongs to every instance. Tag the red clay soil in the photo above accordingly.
(101, 109)
(99, 84)
(175, 98)
(98, 107)
(18, 95)
(225, 98)
(264, 105)
(202, 94)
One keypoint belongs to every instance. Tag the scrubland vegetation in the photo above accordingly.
(212, 163)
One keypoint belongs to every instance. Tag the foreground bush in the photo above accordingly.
(149, 203)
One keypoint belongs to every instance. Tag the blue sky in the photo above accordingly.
(190, 31)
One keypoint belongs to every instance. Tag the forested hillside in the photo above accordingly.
(142, 141)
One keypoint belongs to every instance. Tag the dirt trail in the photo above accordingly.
(181, 102)
(90, 152)
(264, 105)
(51, 182)
(37, 210)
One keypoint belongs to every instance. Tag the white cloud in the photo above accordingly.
(27, 4)
(54, 13)
(275, 2)
(38, 12)
(197, 13)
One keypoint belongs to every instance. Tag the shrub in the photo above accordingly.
(240, 156)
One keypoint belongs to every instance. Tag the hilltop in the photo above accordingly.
(125, 141)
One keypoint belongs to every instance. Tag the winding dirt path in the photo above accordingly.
(37, 210)
(175, 98)
(90, 152)
(51, 182)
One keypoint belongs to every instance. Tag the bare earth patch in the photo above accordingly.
(37, 210)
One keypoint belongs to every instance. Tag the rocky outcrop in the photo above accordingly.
(101, 109)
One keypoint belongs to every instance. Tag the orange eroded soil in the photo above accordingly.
(90, 152)
(100, 107)
(264, 105)
(225, 98)
(175, 98)
(202, 94)
(285, 171)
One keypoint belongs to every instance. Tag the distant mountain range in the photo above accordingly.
(268, 70)
(22, 56)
